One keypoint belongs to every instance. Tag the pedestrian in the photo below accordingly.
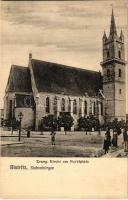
(106, 144)
(115, 138)
(53, 137)
(125, 138)
(108, 135)
(28, 133)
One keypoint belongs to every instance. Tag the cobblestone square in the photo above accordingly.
(73, 144)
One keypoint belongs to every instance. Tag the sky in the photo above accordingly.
(66, 32)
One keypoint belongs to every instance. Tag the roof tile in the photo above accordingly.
(61, 79)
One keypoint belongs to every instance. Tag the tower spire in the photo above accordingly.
(121, 35)
(104, 36)
(113, 31)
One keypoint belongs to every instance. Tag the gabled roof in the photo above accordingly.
(19, 79)
(61, 79)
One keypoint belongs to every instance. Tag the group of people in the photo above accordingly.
(108, 141)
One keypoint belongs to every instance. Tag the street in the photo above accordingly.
(73, 144)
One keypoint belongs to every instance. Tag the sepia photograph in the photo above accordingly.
(64, 79)
(64, 99)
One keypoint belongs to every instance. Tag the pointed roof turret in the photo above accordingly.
(113, 31)
(30, 56)
(104, 37)
(122, 35)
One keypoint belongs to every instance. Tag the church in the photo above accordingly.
(45, 88)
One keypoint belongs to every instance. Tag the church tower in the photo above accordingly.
(113, 66)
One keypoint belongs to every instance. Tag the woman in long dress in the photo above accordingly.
(106, 144)
(53, 137)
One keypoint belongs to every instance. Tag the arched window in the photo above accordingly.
(120, 73)
(47, 105)
(94, 107)
(101, 108)
(10, 110)
(63, 105)
(119, 54)
(74, 107)
(55, 105)
(69, 105)
(120, 91)
(27, 101)
(85, 107)
(108, 54)
(108, 72)
(97, 107)
(80, 106)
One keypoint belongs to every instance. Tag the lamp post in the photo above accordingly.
(13, 114)
(20, 120)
